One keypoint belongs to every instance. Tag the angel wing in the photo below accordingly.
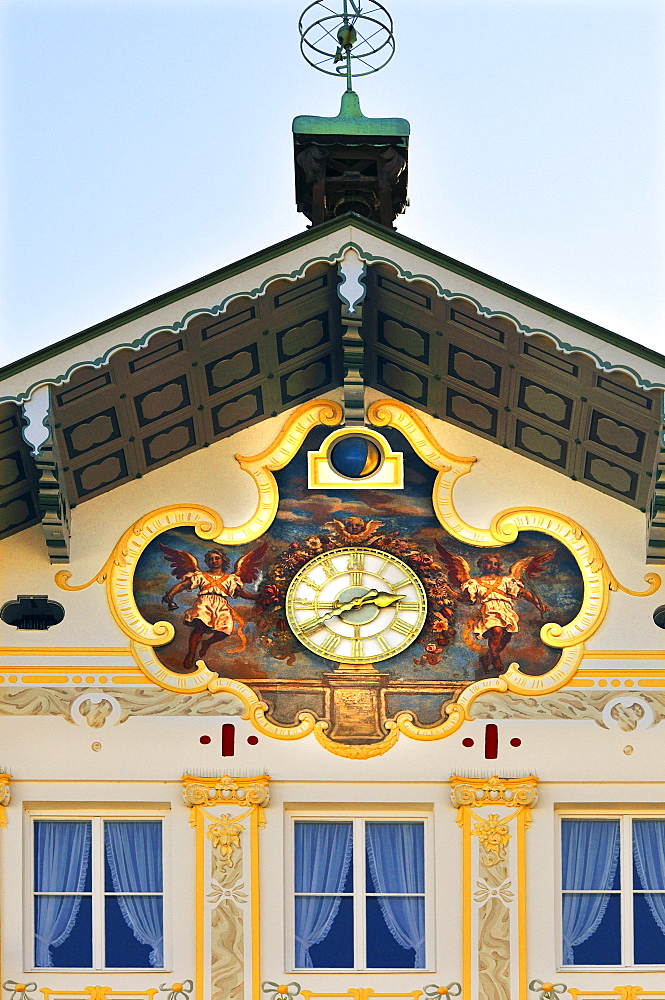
(458, 568)
(373, 526)
(531, 565)
(248, 566)
(335, 525)
(181, 562)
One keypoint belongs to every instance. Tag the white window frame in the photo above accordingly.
(626, 892)
(97, 816)
(358, 818)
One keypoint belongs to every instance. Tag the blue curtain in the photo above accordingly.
(322, 858)
(397, 864)
(590, 850)
(649, 854)
(134, 854)
(62, 851)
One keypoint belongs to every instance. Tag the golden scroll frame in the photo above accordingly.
(118, 576)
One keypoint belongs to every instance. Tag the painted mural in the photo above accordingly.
(485, 606)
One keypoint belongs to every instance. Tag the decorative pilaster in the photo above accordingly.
(494, 814)
(227, 814)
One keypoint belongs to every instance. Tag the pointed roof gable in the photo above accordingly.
(264, 334)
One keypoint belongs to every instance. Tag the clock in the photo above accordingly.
(356, 605)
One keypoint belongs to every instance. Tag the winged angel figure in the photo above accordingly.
(495, 593)
(211, 611)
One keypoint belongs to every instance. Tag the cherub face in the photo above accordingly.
(491, 565)
(215, 561)
(354, 525)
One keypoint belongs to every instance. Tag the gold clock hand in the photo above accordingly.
(383, 600)
(380, 598)
(348, 606)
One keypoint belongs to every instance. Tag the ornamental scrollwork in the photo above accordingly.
(227, 790)
(494, 791)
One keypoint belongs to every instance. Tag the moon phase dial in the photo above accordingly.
(356, 605)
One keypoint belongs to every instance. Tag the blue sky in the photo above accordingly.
(148, 142)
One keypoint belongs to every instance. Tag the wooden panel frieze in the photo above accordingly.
(484, 374)
(182, 392)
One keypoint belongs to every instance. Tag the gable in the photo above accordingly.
(118, 403)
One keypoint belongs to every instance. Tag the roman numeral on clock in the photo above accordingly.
(329, 570)
(356, 564)
(330, 643)
(408, 606)
(385, 646)
(356, 648)
(404, 628)
(310, 625)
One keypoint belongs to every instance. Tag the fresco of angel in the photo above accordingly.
(495, 594)
(211, 617)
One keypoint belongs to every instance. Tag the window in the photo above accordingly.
(359, 893)
(97, 893)
(613, 887)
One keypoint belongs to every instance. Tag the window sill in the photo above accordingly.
(600, 969)
(42, 970)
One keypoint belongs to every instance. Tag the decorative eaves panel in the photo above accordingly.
(521, 392)
(19, 507)
(182, 392)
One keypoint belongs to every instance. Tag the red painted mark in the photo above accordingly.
(516, 742)
(204, 739)
(252, 740)
(467, 742)
(491, 741)
(228, 739)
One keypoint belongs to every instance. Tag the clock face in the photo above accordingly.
(356, 605)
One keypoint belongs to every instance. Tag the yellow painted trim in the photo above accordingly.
(467, 912)
(256, 905)
(522, 822)
(65, 650)
(360, 993)
(619, 993)
(624, 654)
(98, 993)
(200, 904)
(388, 476)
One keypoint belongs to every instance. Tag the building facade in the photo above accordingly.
(331, 658)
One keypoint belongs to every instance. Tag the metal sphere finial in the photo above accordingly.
(346, 37)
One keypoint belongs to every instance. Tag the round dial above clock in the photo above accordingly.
(356, 605)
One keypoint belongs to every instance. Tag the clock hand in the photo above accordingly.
(381, 599)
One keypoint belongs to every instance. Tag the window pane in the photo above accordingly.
(125, 916)
(649, 854)
(590, 854)
(323, 857)
(395, 857)
(62, 853)
(649, 928)
(592, 929)
(395, 932)
(68, 920)
(331, 920)
(133, 856)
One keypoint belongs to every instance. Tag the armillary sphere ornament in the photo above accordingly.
(346, 37)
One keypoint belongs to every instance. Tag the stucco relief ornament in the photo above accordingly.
(541, 591)
(223, 894)
(502, 892)
(225, 836)
(493, 835)
(284, 991)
